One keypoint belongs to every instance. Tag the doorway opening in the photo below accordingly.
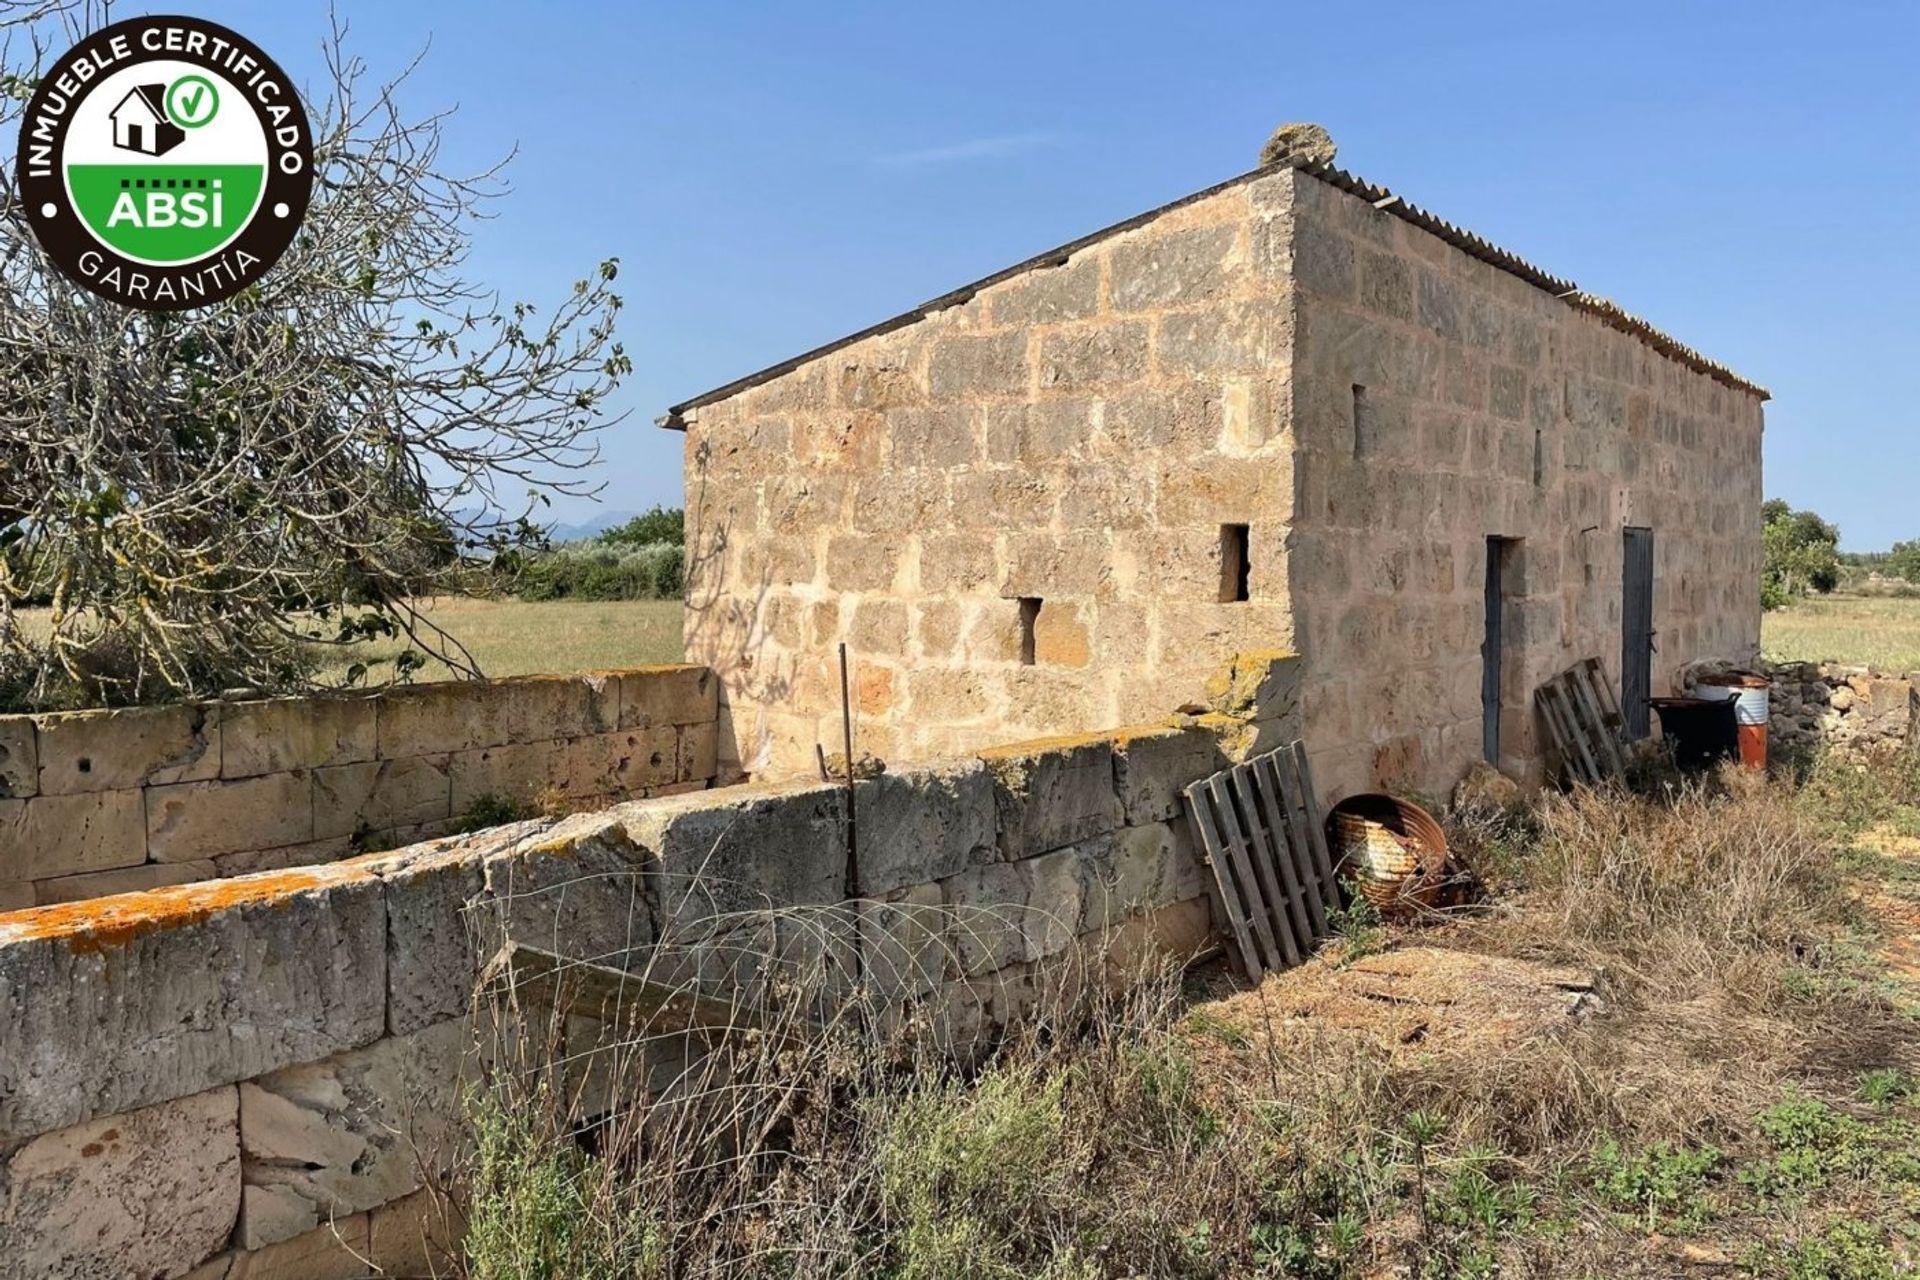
(1636, 631)
(1503, 557)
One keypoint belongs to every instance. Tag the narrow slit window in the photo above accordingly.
(1362, 422)
(1029, 617)
(1539, 458)
(1236, 568)
(1503, 556)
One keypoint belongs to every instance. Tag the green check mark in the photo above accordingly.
(192, 101)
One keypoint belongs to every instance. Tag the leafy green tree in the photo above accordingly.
(1904, 561)
(660, 525)
(1802, 554)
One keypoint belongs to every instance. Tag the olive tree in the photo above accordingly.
(198, 500)
(1802, 554)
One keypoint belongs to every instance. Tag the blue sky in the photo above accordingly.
(1746, 177)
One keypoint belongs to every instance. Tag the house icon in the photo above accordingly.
(140, 122)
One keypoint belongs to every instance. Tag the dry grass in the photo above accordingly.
(505, 638)
(515, 637)
(1882, 633)
(1708, 1112)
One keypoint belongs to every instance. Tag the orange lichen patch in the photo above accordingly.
(95, 924)
(92, 1149)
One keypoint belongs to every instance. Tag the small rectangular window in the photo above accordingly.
(1029, 617)
(1539, 458)
(1362, 423)
(1235, 566)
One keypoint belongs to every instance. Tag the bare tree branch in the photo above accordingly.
(202, 498)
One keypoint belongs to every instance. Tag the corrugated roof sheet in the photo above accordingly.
(1380, 197)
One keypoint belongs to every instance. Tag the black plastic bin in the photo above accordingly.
(1702, 731)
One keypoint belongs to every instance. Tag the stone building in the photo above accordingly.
(1289, 411)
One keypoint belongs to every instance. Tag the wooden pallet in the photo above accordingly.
(1583, 719)
(1259, 824)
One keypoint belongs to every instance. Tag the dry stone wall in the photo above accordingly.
(1829, 705)
(102, 802)
(1075, 438)
(1438, 402)
(259, 1076)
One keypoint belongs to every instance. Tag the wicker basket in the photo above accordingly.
(1392, 849)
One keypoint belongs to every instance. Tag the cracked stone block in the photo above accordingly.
(1015, 912)
(48, 836)
(431, 964)
(129, 747)
(1152, 769)
(379, 795)
(1140, 868)
(149, 1192)
(923, 824)
(904, 942)
(1052, 793)
(668, 695)
(19, 757)
(580, 888)
(205, 819)
(741, 849)
(124, 1002)
(282, 734)
(328, 1139)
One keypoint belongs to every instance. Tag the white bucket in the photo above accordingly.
(1750, 704)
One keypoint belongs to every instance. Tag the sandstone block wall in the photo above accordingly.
(103, 802)
(1078, 435)
(259, 1076)
(1370, 400)
(1439, 401)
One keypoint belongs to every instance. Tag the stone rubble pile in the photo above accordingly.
(1828, 704)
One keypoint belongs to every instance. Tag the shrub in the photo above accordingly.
(661, 524)
(599, 571)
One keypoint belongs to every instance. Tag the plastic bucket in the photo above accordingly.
(1749, 694)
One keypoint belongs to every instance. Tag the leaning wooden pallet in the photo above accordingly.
(1259, 825)
(1583, 720)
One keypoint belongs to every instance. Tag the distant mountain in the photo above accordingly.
(592, 527)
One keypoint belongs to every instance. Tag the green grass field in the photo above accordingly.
(515, 638)
(1879, 632)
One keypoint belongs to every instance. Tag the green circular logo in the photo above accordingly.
(165, 163)
(192, 101)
